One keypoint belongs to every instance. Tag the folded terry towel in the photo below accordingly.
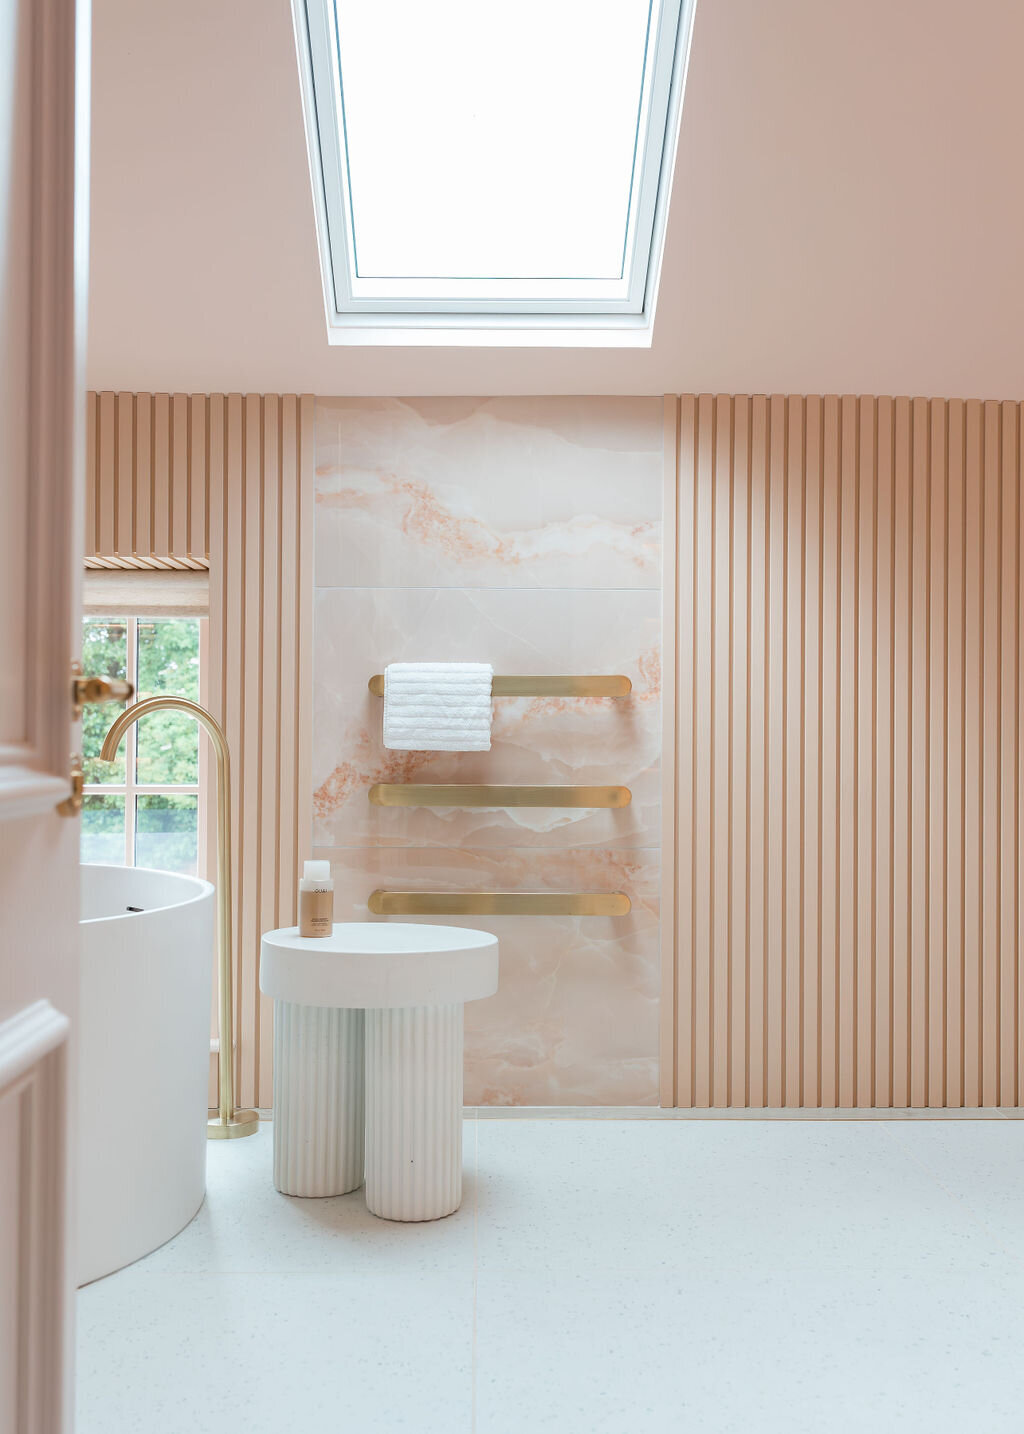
(437, 706)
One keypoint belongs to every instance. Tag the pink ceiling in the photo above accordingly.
(848, 212)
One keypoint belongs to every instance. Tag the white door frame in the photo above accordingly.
(44, 148)
(33, 1109)
(34, 766)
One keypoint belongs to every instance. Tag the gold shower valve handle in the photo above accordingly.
(71, 806)
(96, 689)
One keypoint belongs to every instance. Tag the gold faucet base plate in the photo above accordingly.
(243, 1122)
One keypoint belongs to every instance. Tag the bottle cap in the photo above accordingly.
(317, 871)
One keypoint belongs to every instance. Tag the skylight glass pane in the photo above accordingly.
(488, 140)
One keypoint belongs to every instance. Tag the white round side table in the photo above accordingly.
(368, 1060)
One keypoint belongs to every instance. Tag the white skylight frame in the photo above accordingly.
(508, 310)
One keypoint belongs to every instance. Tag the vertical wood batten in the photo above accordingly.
(163, 451)
(866, 975)
(973, 679)
(847, 809)
(918, 754)
(902, 756)
(721, 755)
(293, 819)
(1019, 762)
(271, 661)
(216, 479)
(106, 469)
(882, 733)
(672, 754)
(795, 580)
(990, 723)
(203, 479)
(124, 475)
(679, 835)
(251, 733)
(848, 611)
(809, 757)
(704, 717)
(92, 480)
(739, 951)
(775, 771)
(757, 881)
(142, 477)
(232, 713)
(1009, 650)
(954, 855)
(936, 835)
(831, 815)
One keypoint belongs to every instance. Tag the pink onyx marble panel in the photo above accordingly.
(601, 741)
(499, 492)
(575, 1019)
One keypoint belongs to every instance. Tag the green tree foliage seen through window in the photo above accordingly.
(168, 664)
(162, 827)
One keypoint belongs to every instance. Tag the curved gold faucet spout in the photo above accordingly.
(229, 1122)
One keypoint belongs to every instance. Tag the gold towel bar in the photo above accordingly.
(526, 685)
(456, 794)
(499, 903)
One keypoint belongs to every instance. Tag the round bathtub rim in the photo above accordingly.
(203, 890)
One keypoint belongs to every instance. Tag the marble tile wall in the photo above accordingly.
(525, 533)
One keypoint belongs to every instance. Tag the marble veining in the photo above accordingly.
(525, 533)
(575, 1019)
(534, 740)
(495, 492)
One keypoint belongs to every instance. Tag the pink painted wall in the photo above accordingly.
(526, 533)
(847, 214)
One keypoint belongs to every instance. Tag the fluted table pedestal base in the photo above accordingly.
(414, 1112)
(318, 1099)
(404, 986)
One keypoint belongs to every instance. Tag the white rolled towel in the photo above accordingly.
(437, 706)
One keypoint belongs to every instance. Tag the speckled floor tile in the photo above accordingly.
(602, 1277)
(264, 1232)
(759, 1194)
(794, 1352)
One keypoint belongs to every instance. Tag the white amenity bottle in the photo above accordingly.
(316, 900)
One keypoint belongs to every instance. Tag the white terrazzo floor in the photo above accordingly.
(602, 1277)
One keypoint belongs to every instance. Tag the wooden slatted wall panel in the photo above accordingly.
(147, 480)
(848, 612)
(227, 480)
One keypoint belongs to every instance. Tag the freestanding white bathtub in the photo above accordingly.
(144, 1060)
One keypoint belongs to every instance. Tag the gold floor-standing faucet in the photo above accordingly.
(229, 1122)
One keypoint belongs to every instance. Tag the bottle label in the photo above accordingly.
(316, 913)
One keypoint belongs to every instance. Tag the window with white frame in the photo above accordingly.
(492, 163)
(145, 808)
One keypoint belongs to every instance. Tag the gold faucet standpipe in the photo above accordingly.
(229, 1123)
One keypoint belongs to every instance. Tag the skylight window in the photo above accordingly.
(478, 163)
